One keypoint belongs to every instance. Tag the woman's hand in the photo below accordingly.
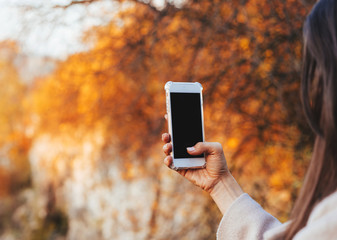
(216, 165)
(215, 178)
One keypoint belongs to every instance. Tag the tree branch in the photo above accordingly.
(74, 2)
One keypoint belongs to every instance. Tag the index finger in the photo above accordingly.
(166, 138)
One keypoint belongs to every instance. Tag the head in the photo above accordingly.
(319, 97)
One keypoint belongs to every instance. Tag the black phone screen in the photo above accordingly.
(186, 123)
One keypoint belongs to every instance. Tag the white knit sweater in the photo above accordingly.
(246, 219)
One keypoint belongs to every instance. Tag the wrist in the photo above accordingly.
(225, 192)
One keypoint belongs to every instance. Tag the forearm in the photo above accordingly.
(225, 192)
(242, 217)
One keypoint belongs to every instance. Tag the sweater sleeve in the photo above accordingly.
(245, 219)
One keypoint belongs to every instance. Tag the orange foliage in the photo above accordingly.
(246, 54)
(14, 144)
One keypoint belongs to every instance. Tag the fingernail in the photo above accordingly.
(190, 149)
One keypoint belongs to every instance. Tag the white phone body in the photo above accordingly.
(184, 106)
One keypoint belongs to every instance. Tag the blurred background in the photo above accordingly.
(82, 112)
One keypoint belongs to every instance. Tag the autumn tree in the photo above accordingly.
(14, 144)
(247, 55)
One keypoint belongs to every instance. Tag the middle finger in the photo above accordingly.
(167, 148)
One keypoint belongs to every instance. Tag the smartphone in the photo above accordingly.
(184, 107)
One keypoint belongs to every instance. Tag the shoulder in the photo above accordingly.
(322, 223)
(322, 209)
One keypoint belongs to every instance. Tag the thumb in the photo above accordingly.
(205, 147)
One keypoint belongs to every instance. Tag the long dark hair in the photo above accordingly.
(319, 97)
